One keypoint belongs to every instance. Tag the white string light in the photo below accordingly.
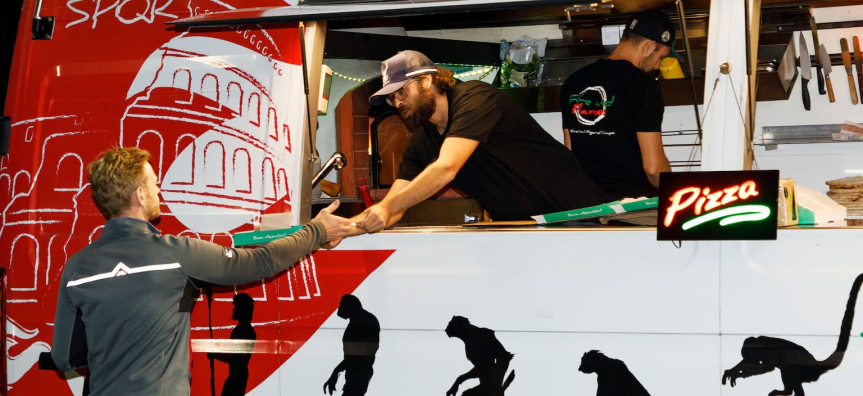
(348, 78)
(484, 70)
(473, 73)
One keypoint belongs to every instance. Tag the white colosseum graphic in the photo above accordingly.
(240, 121)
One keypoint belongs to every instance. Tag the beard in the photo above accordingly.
(154, 211)
(421, 111)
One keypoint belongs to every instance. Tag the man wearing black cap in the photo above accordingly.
(473, 136)
(612, 111)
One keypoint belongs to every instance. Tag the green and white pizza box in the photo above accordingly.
(249, 238)
(607, 209)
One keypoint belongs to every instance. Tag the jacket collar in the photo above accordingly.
(122, 226)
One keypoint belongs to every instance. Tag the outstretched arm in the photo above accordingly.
(653, 156)
(453, 154)
(397, 186)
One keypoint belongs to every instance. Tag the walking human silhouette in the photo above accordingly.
(238, 363)
(613, 378)
(489, 358)
(360, 344)
(764, 354)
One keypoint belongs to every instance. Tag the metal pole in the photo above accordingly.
(753, 88)
(37, 20)
(313, 150)
(682, 16)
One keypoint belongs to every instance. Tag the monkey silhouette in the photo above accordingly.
(613, 378)
(238, 363)
(489, 358)
(764, 354)
(360, 344)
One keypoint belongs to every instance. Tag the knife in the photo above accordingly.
(846, 59)
(805, 72)
(828, 67)
(819, 60)
(858, 61)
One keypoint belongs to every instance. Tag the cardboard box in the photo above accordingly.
(787, 214)
(251, 238)
(608, 209)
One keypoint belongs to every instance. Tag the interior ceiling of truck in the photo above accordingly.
(551, 14)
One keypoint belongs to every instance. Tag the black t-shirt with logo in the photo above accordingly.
(604, 105)
(518, 170)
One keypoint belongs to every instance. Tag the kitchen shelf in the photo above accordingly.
(773, 136)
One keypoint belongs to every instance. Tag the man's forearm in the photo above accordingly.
(429, 182)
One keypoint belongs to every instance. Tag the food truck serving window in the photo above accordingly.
(735, 205)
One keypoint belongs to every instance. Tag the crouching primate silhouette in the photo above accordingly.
(763, 354)
(613, 378)
(490, 360)
(238, 363)
(360, 344)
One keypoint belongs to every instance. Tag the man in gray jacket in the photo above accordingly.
(124, 304)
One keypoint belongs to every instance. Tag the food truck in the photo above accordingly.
(241, 104)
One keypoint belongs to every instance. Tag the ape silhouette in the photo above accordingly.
(764, 354)
(490, 360)
(360, 344)
(238, 363)
(613, 378)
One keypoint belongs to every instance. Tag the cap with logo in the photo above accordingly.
(398, 70)
(654, 25)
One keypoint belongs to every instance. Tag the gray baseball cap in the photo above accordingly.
(398, 70)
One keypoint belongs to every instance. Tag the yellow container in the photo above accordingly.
(670, 68)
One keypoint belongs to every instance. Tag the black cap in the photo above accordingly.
(654, 25)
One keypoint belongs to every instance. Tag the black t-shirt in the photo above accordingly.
(604, 105)
(518, 170)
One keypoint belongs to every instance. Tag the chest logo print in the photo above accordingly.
(590, 105)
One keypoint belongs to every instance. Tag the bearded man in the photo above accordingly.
(470, 135)
(613, 108)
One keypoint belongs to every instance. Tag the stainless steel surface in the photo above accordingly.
(787, 69)
(805, 62)
(797, 134)
(828, 67)
(337, 161)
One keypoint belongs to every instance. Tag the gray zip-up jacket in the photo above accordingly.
(124, 303)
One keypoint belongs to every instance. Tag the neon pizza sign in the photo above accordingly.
(734, 205)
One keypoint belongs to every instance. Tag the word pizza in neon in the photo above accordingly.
(704, 200)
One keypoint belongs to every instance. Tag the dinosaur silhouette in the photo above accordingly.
(613, 378)
(764, 354)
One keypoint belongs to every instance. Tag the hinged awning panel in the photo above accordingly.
(335, 12)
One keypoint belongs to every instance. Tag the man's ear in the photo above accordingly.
(649, 47)
(139, 195)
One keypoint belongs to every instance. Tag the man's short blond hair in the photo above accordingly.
(115, 176)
